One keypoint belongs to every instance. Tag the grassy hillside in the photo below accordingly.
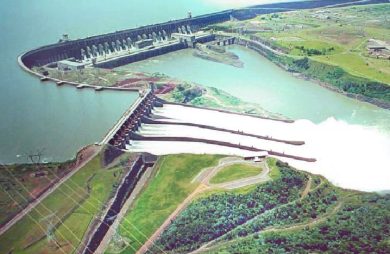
(169, 186)
(337, 36)
(235, 172)
(334, 41)
(63, 218)
(295, 213)
(34, 185)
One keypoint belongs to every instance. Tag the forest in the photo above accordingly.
(295, 213)
(214, 216)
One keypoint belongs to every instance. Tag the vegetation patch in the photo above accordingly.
(329, 45)
(341, 79)
(274, 169)
(212, 97)
(65, 215)
(295, 213)
(235, 172)
(36, 178)
(360, 225)
(169, 186)
(211, 217)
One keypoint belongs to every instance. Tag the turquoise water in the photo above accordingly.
(61, 120)
(276, 90)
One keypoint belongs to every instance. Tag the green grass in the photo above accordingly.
(346, 32)
(307, 43)
(74, 210)
(235, 172)
(274, 169)
(170, 185)
(360, 66)
(9, 176)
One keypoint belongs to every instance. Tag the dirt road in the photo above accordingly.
(204, 178)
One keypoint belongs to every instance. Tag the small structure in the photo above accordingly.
(189, 39)
(257, 157)
(64, 38)
(66, 65)
(378, 49)
(39, 174)
(143, 43)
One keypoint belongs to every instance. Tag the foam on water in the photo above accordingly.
(351, 156)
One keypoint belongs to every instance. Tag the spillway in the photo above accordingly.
(350, 157)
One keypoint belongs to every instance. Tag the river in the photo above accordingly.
(350, 139)
(62, 120)
(264, 83)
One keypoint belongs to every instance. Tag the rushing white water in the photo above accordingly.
(351, 156)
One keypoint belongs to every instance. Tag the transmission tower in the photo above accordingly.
(49, 221)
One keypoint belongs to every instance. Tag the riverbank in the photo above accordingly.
(330, 77)
(211, 97)
(323, 46)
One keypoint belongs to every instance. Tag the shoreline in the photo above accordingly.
(359, 97)
(189, 104)
(77, 85)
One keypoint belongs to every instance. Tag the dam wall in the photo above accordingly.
(72, 49)
(120, 40)
(139, 56)
(151, 52)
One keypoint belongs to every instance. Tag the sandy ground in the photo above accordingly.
(351, 156)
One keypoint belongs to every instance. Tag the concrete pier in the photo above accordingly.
(119, 135)
(126, 130)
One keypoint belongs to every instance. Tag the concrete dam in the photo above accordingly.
(117, 48)
(145, 127)
(150, 114)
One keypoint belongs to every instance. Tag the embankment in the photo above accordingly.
(331, 77)
(127, 186)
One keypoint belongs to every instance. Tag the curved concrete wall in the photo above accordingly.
(64, 50)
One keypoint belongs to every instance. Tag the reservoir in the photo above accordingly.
(35, 115)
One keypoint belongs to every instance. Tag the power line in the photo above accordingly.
(41, 203)
(93, 206)
(124, 218)
(35, 221)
